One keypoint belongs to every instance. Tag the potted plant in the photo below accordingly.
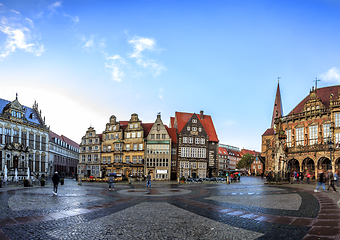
(182, 179)
(61, 181)
(42, 182)
(25, 182)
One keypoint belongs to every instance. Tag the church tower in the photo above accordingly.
(277, 111)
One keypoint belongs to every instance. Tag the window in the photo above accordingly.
(185, 140)
(173, 151)
(89, 158)
(157, 127)
(299, 136)
(127, 159)
(152, 136)
(188, 128)
(83, 158)
(23, 137)
(108, 160)
(135, 147)
(337, 119)
(327, 134)
(118, 147)
(107, 136)
(141, 146)
(104, 148)
(313, 135)
(118, 158)
(117, 136)
(259, 166)
(194, 120)
(163, 136)
(202, 140)
(200, 129)
(96, 157)
(136, 125)
(158, 136)
(90, 134)
(96, 147)
(8, 135)
(194, 128)
(111, 136)
(190, 140)
(127, 147)
(133, 135)
(15, 136)
(134, 159)
(139, 134)
(127, 135)
(289, 138)
(140, 159)
(131, 126)
(197, 140)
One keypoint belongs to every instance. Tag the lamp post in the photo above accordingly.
(331, 148)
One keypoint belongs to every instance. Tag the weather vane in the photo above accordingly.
(278, 79)
(316, 82)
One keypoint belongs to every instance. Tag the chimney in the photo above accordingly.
(201, 114)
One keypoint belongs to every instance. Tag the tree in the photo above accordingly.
(246, 161)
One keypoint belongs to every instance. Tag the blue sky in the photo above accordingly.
(83, 61)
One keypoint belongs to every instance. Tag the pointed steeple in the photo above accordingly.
(277, 112)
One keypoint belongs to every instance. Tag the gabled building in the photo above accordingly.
(90, 154)
(158, 151)
(23, 140)
(197, 145)
(234, 158)
(223, 161)
(307, 139)
(256, 167)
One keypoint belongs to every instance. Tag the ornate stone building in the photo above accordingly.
(63, 155)
(90, 154)
(23, 140)
(307, 139)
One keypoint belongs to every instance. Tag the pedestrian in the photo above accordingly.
(55, 180)
(148, 180)
(302, 177)
(321, 181)
(336, 179)
(331, 180)
(111, 184)
(308, 176)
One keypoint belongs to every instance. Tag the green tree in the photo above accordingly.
(246, 161)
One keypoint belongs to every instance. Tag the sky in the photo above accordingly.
(83, 61)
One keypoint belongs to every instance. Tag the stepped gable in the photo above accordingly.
(182, 119)
(323, 94)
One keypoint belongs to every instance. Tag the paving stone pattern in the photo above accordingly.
(245, 210)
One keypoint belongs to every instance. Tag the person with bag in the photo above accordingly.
(321, 181)
(308, 176)
(111, 184)
(55, 180)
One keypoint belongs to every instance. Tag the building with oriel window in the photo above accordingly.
(63, 155)
(23, 140)
(197, 145)
(307, 139)
(158, 151)
(90, 154)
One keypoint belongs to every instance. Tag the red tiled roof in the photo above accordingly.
(172, 122)
(323, 94)
(147, 127)
(182, 119)
(172, 134)
(54, 135)
(244, 151)
(269, 132)
(222, 150)
(70, 142)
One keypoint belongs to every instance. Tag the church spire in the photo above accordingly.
(277, 112)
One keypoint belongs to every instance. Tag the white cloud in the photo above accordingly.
(115, 65)
(19, 36)
(15, 11)
(52, 7)
(75, 19)
(160, 93)
(140, 45)
(332, 75)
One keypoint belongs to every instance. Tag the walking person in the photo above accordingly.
(308, 176)
(301, 177)
(321, 181)
(111, 184)
(148, 180)
(336, 179)
(55, 180)
(331, 180)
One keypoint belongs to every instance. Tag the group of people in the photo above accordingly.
(327, 177)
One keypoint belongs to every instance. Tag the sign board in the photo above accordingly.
(162, 171)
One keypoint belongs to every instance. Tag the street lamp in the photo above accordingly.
(331, 148)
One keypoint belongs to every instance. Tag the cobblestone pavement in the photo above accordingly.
(249, 209)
